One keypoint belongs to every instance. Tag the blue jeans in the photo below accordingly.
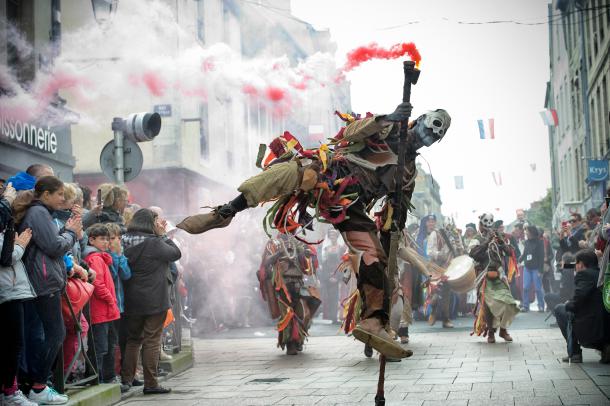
(45, 334)
(100, 342)
(563, 320)
(532, 276)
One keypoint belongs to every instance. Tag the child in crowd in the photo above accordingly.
(15, 287)
(103, 304)
(120, 272)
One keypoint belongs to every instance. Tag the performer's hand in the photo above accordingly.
(402, 113)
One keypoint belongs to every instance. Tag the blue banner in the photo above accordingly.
(597, 171)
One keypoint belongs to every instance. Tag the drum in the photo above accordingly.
(460, 274)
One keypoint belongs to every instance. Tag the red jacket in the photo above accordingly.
(103, 304)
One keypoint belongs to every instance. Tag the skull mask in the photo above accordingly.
(431, 127)
(486, 220)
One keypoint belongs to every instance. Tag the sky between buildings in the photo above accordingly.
(475, 72)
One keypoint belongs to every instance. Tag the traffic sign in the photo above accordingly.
(132, 160)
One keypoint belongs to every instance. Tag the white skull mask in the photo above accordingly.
(432, 127)
(487, 220)
(438, 121)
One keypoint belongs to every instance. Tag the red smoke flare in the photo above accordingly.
(374, 51)
(275, 94)
(154, 83)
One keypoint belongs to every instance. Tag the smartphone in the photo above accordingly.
(99, 197)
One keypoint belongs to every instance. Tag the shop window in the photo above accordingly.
(20, 18)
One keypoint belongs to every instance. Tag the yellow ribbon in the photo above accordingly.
(323, 156)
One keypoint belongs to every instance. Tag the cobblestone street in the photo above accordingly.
(447, 368)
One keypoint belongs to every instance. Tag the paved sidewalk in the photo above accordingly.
(448, 368)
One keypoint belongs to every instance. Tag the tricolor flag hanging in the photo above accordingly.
(497, 178)
(549, 117)
(486, 133)
(459, 182)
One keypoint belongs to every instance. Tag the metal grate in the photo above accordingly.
(268, 380)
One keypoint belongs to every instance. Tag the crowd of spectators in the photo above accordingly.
(583, 252)
(68, 266)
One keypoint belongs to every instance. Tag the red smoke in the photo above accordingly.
(249, 90)
(58, 82)
(374, 51)
(208, 65)
(275, 94)
(154, 83)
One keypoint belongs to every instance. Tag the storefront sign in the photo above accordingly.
(598, 170)
(26, 133)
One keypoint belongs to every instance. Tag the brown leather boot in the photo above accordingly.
(200, 223)
(491, 337)
(291, 348)
(504, 334)
(372, 332)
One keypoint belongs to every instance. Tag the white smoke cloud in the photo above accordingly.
(135, 57)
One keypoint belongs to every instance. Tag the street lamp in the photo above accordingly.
(103, 10)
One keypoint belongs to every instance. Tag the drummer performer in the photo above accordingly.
(285, 263)
(496, 307)
(435, 247)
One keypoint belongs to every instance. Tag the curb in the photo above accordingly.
(181, 362)
(109, 394)
(99, 395)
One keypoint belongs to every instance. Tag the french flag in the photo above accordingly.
(549, 117)
(487, 133)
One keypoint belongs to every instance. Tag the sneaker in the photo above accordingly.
(17, 399)
(48, 396)
(137, 382)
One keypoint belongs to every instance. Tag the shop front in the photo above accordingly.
(24, 143)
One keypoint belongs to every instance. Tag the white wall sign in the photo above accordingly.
(27, 133)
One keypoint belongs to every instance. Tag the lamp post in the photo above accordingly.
(103, 10)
